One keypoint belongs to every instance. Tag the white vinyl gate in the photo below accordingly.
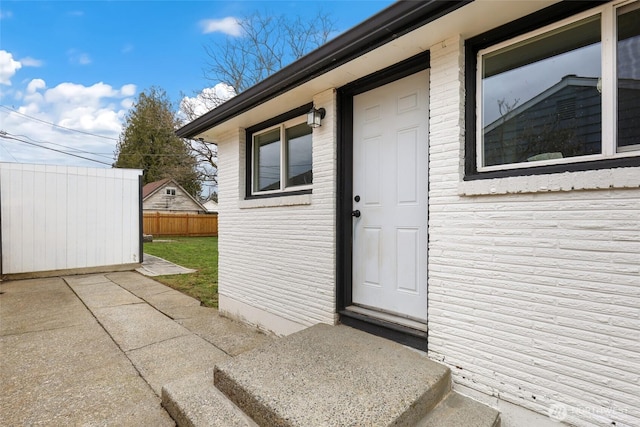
(68, 218)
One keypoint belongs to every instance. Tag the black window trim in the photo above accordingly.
(291, 114)
(534, 21)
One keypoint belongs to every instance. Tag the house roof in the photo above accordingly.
(152, 187)
(394, 21)
(403, 30)
(570, 80)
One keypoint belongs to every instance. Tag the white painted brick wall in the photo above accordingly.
(281, 259)
(534, 298)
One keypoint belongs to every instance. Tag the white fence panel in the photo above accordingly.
(65, 218)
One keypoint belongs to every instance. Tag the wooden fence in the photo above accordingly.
(164, 224)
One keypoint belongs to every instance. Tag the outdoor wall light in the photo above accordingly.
(315, 116)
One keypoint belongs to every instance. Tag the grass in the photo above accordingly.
(200, 253)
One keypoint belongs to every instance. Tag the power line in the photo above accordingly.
(6, 136)
(77, 150)
(55, 125)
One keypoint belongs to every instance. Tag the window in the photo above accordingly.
(566, 93)
(281, 158)
(628, 77)
(169, 191)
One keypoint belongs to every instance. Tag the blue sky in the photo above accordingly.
(69, 66)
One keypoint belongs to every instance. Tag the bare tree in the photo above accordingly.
(266, 44)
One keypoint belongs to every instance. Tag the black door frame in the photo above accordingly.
(344, 221)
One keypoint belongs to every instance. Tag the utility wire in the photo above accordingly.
(55, 125)
(77, 150)
(6, 136)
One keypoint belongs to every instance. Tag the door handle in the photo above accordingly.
(355, 213)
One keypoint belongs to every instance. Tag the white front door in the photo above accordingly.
(390, 189)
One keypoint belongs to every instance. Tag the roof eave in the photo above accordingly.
(396, 20)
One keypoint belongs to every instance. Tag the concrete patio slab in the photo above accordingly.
(189, 311)
(137, 284)
(70, 381)
(59, 366)
(171, 298)
(138, 325)
(179, 357)
(90, 279)
(25, 306)
(104, 294)
(156, 266)
(231, 337)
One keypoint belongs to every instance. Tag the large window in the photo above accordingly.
(282, 159)
(566, 93)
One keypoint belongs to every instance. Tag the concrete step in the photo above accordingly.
(325, 376)
(194, 402)
(456, 410)
(333, 375)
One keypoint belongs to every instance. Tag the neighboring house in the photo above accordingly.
(167, 196)
(521, 273)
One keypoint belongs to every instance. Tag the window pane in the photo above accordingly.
(629, 79)
(541, 97)
(299, 170)
(267, 161)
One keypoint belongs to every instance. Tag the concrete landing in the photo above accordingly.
(333, 375)
(325, 376)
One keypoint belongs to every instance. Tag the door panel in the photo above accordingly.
(390, 174)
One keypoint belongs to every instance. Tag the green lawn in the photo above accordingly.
(200, 253)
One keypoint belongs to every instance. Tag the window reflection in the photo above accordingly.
(540, 97)
(299, 155)
(628, 69)
(267, 155)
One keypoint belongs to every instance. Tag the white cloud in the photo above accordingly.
(35, 85)
(127, 103)
(128, 90)
(228, 25)
(205, 101)
(127, 48)
(5, 14)
(8, 67)
(98, 110)
(72, 93)
(31, 62)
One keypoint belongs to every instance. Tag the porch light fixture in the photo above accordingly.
(315, 116)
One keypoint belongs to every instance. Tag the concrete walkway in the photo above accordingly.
(156, 266)
(97, 349)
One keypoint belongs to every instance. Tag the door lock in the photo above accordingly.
(355, 213)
